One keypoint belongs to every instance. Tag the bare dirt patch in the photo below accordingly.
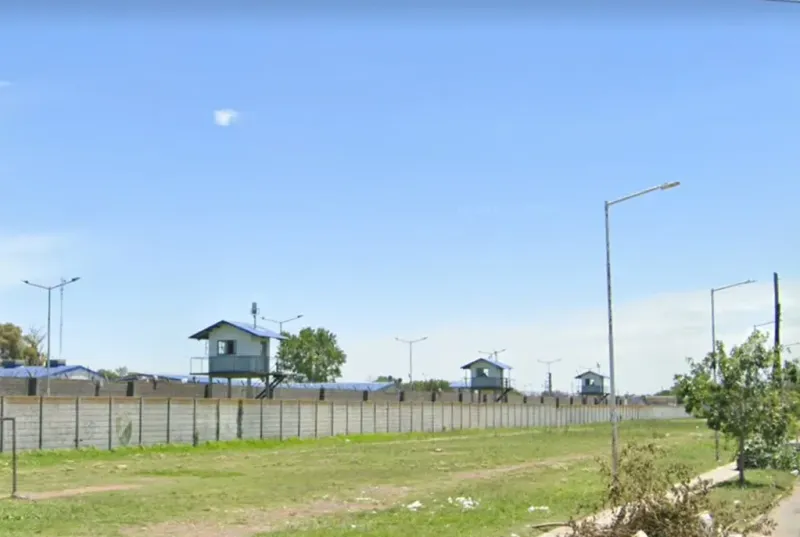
(68, 493)
(249, 522)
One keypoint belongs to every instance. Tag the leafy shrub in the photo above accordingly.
(662, 500)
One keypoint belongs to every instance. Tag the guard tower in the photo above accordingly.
(486, 375)
(237, 351)
(592, 384)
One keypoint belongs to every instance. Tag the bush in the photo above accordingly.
(759, 453)
(662, 500)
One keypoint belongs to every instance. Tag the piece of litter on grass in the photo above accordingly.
(414, 506)
(795, 472)
(352, 526)
(363, 499)
(465, 502)
(533, 508)
(514, 535)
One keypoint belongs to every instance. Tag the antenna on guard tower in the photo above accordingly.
(254, 313)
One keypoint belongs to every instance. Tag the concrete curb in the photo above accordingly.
(716, 476)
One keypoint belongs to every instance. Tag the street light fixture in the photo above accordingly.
(280, 331)
(714, 343)
(49, 289)
(281, 323)
(612, 380)
(492, 354)
(410, 343)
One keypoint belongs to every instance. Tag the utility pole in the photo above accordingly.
(410, 343)
(549, 374)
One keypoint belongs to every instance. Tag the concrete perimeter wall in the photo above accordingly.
(111, 422)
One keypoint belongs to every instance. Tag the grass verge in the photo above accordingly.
(763, 488)
(331, 487)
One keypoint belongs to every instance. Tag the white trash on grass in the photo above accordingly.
(466, 503)
(416, 505)
(534, 508)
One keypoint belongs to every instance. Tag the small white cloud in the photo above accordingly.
(225, 117)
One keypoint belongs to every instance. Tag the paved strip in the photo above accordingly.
(787, 516)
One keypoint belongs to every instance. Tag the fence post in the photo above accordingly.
(299, 419)
(195, 434)
(169, 416)
(110, 423)
(217, 418)
(412, 417)
(280, 421)
(2, 422)
(374, 417)
(78, 422)
(333, 418)
(347, 418)
(388, 417)
(361, 418)
(469, 415)
(141, 414)
(316, 419)
(41, 422)
(261, 420)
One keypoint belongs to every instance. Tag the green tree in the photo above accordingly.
(18, 346)
(431, 385)
(748, 402)
(311, 355)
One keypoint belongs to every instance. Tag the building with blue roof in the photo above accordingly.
(71, 372)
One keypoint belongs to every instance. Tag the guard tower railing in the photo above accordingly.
(230, 366)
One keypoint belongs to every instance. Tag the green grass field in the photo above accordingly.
(331, 487)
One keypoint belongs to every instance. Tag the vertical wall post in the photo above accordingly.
(41, 422)
(316, 419)
(141, 415)
(2, 423)
(280, 421)
(299, 419)
(195, 433)
(261, 419)
(169, 417)
(218, 419)
(110, 423)
(333, 418)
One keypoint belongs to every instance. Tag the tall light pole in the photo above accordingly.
(280, 331)
(492, 354)
(49, 290)
(548, 363)
(410, 343)
(612, 380)
(714, 343)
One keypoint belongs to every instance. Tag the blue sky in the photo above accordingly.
(399, 175)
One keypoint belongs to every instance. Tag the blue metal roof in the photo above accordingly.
(356, 386)
(459, 384)
(501, 365)
(35, 371)
(244, 327)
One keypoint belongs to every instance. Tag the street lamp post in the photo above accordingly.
(280, 330)
(612, 379)
(410, 343)
(49, 289)
(714, 343)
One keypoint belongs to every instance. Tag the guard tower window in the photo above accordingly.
(588, 382)
(482, 372)
(225, 347)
